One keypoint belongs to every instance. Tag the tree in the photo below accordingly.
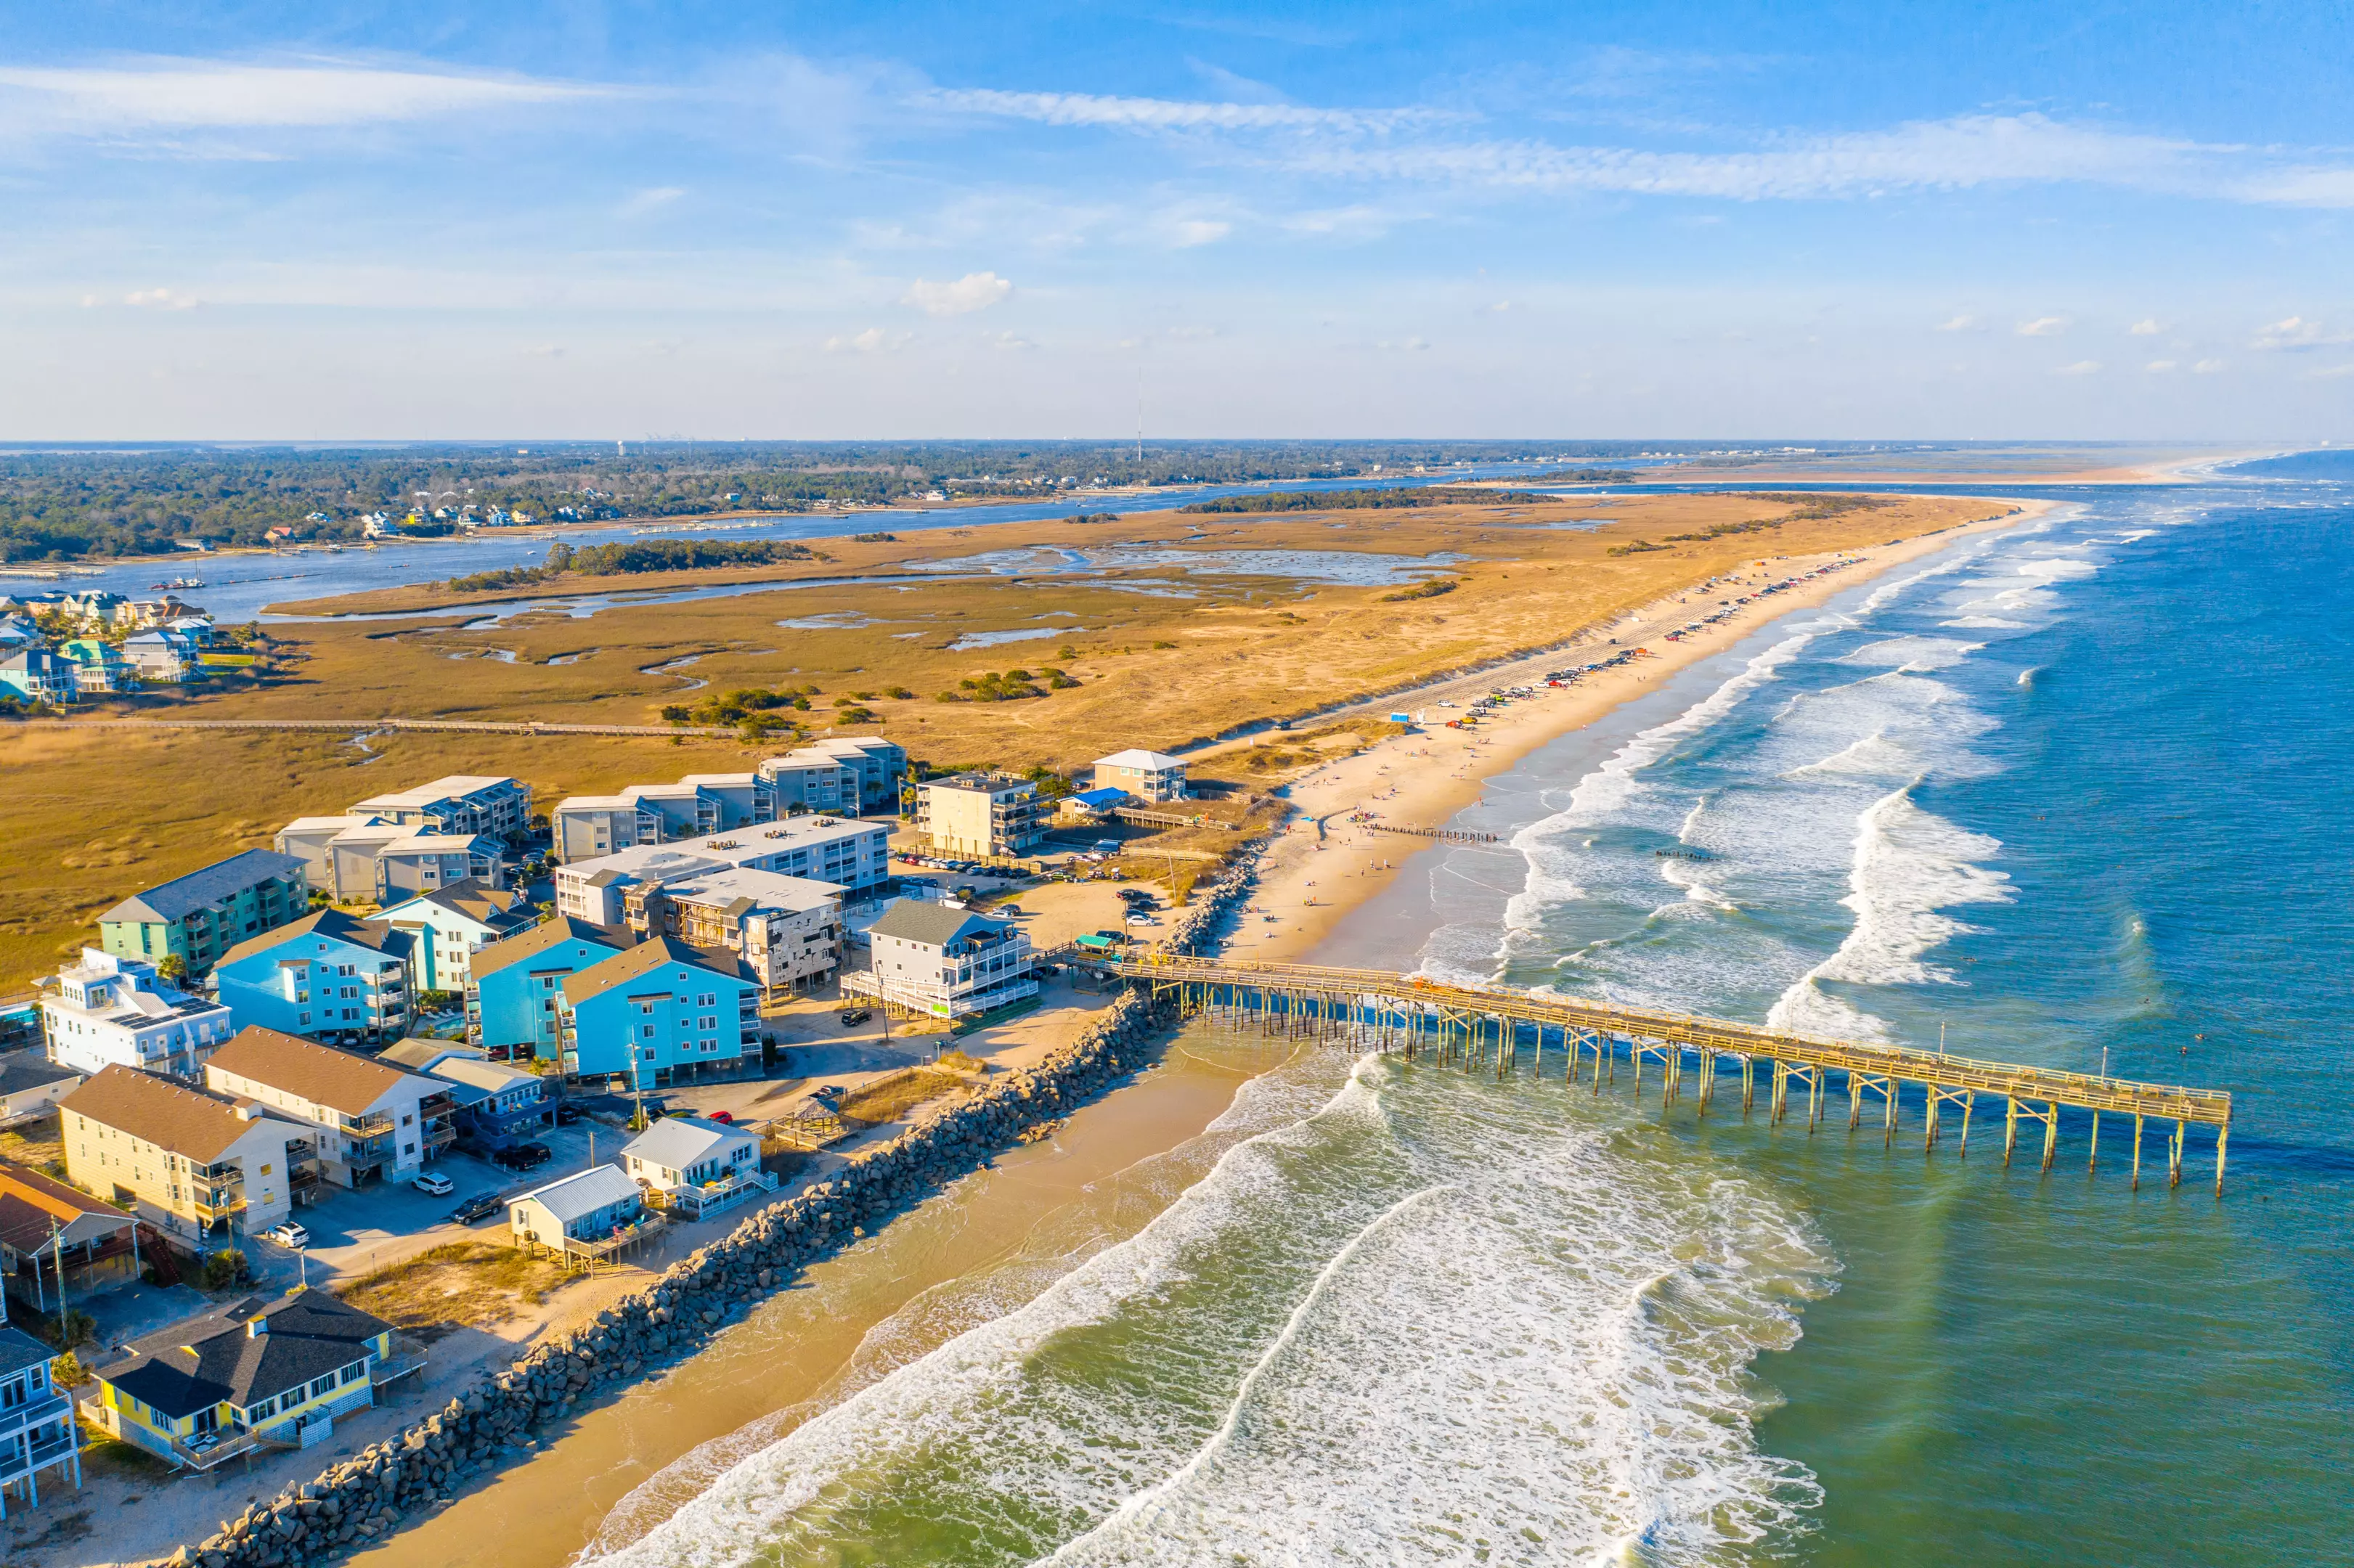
(172, 967)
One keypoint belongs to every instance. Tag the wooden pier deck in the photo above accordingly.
(1480, 1026)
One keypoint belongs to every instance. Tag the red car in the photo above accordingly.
(725, 1117)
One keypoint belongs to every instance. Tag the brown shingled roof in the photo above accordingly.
(194, 1123)
(340, 1080)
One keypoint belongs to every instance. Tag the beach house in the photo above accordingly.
(513, 1000)
(658, 1014)
(451, 925)
(695, 1166)
(110, 1011)
(355, 856)
(197, 917)
(45, 1224)
(197, 1166)
(811, 780)
(993, 814)
(99, 666)
(166, 655)
(31, 1085)
(208, 1388)
(376, 1122)
(590, 1214)
(37, 1422)
(499, 1105)
(944, 963)
(1149, 776)
(34, 674)
(328, 974)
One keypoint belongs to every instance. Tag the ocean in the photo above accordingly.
(2068, 795)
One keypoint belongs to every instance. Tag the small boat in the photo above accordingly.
(175, 583)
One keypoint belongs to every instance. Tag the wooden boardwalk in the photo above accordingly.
(1483, 1026)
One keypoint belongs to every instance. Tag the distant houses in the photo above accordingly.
(197, 917)
(461, 803)
(357, 856)
(34, 675)
(328, 974)
(847, 775)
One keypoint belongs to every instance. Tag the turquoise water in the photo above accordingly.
(2071, 789)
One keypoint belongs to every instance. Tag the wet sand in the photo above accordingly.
(1042, 1208)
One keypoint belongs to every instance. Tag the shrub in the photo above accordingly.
(1430, 589)
(898, 694)
(226, 1269)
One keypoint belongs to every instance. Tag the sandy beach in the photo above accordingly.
(1100, 1176)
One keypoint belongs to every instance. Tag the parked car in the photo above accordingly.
(479, 1206)
(724, 1119)
(287, 1234)
(853, 1017)
(433, 1183)
(1009, 909)
(524, 1156)
(565, 1116)
(1143, 920)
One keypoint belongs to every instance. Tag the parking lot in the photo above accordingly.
(352, 1232)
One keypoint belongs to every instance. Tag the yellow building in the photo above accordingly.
(199, 1167)
(210, 1387)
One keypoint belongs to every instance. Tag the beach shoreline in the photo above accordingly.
(1316, 871)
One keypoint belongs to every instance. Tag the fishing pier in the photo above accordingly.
(1476, 1028)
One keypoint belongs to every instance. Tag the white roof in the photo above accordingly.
(594, 803)
(736, 846)
(761, 889)
(736, 780)
(456, 784)
(1150, 761)
(676, 1142)
(583, 1193)
(492, 1077)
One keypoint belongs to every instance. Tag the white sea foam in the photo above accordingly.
(1920, 654)
(1986, 622)
(1432, 1314)
(1909, 864)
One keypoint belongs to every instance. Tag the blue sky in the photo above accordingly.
(317, 221)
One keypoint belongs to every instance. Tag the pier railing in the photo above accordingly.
(1479, 1024)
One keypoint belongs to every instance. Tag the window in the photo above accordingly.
(12, 1393)
(711, 1045)
(647, 1033)
(261, 1412)
(354, 1373)
(320, 1385)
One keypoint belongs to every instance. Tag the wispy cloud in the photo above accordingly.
(2043, 327)
(2159, 367)
(2082, 368)
(1966, 152)
(1958, 323)
(1173, 115)
(874, 340)
(2149, 326)
(159, 298)
(2297, 333)
(193, 94)
(974, 291)
(652, 199)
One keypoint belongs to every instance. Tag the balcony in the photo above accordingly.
(375, 1125)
